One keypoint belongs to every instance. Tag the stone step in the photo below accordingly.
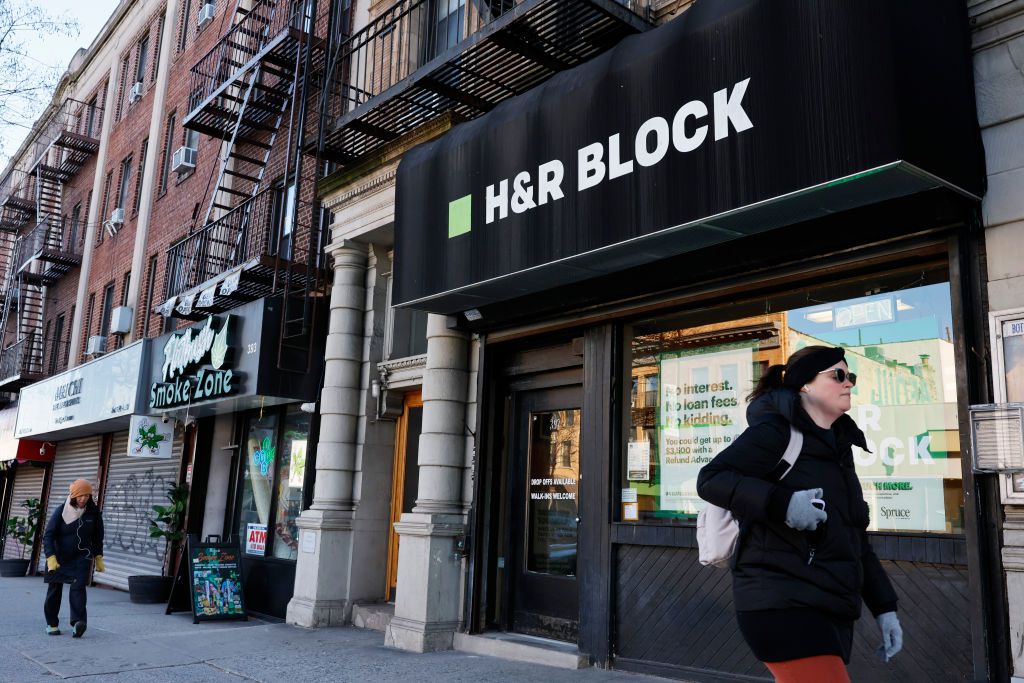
(375, 616)
(521, 648)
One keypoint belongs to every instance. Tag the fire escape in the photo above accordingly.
(42, 248)
(255, 238)
(419, 60)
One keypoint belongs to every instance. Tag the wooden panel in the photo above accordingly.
(888, 546)
(677, 617)
(600, 402)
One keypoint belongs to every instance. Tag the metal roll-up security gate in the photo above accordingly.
(134, 486)
(28, 483)
(75, 459)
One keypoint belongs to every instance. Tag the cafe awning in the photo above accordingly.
(739, 117)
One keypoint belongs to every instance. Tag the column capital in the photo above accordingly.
(343, 251)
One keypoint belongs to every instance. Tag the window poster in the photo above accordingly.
(1013, 368)
(702, 409)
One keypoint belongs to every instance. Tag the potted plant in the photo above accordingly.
(23, 530)
(169, 524)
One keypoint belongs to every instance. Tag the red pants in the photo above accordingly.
(821, 669)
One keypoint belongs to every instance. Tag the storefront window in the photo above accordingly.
(291, 470)
(257, 482)
(275, 449)
(691, 374)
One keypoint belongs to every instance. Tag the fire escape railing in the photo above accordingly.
(242, 45)
(435, 36)
(34, 356)
(255, 228)
(69, 136)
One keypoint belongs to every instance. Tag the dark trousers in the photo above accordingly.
(76, 595)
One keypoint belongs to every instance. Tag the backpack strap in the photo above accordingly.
(796, 444)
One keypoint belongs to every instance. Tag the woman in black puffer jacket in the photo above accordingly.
(803, 563)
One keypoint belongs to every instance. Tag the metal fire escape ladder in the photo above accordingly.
(227, 193)
(299, 310)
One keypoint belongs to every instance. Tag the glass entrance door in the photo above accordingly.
(546, 513)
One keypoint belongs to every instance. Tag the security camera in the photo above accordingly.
(164, 419)
(42, 450)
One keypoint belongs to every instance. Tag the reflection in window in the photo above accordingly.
(691, 375)
(554, 468)
(291, 471)
(257, 478)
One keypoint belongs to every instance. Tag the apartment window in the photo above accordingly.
(126, 177)
(125, 88)
(449, 17)
(138, 183)
(108, 307)
(71, 236)
(282, 228)
(141, 57)
(91, 117)
(183, 26)
(55, 343)
(66, 343)
(147, 314)
(126, 282)
(159, 44)
(165, 168)
(191, 139)
(88, 320)
(104, 216)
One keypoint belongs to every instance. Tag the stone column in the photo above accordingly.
(321, 576)
(429, 572)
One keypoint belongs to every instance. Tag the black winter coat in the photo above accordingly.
(81, 540)
(776, 567)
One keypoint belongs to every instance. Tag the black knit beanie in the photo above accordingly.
(805, 368)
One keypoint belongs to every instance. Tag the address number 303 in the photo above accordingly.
(251, 348)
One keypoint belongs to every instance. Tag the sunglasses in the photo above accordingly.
(840, 375)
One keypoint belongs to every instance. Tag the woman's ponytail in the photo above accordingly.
(771, 379)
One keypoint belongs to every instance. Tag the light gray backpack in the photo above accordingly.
(718, 531)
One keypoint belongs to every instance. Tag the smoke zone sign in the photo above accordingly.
(193, 366)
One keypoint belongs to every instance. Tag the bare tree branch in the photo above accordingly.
(26, 82)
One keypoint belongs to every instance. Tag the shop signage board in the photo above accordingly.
(150, 437)
(96, 391)
(215, 579)
(196, 366)
(692, 134)
(229, 362)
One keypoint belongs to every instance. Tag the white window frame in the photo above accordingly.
(996, 319)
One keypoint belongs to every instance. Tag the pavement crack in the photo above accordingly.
(230, 672)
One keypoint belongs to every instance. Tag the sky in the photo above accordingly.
(91, 15)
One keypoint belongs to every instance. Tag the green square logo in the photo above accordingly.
(460, 216)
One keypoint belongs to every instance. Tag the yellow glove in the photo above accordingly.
(51, 563)
(100, 567)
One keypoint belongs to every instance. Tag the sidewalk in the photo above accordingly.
(128, 642)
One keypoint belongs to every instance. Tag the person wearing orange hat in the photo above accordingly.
(73, 540)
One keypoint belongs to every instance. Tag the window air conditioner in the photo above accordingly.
(184, 160)
(136, 94)
(207, 13)
(117, 216)
(97, 346)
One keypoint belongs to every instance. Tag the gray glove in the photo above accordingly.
(801, 514)
(892, 636)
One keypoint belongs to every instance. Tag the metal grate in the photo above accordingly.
(408, 66)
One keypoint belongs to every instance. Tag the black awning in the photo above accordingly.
(739, 117)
